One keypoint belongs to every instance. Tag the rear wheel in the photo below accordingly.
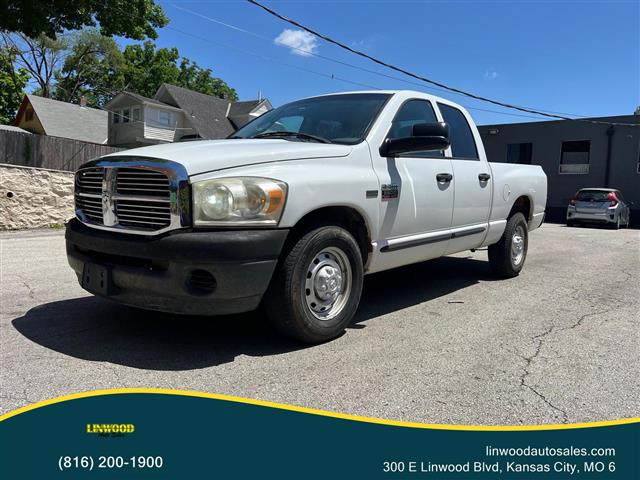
(316, 290)
(507, 257)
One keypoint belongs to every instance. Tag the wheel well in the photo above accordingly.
(346, 217)
(521, 205)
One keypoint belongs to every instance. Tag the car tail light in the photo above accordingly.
(573, 199)
(614, 200)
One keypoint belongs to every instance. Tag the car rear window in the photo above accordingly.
(593, 196)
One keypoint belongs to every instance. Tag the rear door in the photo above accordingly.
(472, 204)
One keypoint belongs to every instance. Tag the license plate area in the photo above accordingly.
(96, 278)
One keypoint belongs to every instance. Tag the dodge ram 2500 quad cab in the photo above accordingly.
(293, 209)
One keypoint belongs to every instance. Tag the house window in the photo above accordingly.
(519, 153)
(165, 118)
(574, 156)
(125, 115)
(135, 114)
(116, 116)
(28, 114)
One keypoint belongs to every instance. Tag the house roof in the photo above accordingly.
(113, 103)
(244, 108)
(11, 128)
(207, 114)
(67, 120)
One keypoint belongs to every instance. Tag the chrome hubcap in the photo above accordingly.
(517, 245)
(327, 283)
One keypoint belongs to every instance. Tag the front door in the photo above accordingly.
(416, 202)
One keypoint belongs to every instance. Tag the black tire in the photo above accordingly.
(570, 223)
(501, 260)
(286, 300)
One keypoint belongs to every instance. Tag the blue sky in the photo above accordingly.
(576, 57)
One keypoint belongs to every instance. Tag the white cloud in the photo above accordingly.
(490, 74)
(300, 42)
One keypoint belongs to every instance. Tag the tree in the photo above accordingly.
(12, 84)
(135, 19)
(199, 79)
(41, 57)
(93, 69)
(146, 68)
(91, 65)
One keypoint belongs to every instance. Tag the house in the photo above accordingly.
(45, 116)
(590, 152)
(174, 114)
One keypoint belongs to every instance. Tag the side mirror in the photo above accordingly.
(425, 136)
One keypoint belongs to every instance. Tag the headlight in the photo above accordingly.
(238, 201)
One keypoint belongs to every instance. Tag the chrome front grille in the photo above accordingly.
(88, 193)
(134, 197)
(136, 181)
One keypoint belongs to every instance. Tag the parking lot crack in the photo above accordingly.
(526, 372)
(540, 340)
(32, 293)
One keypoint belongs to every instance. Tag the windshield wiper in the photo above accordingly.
(283, 133)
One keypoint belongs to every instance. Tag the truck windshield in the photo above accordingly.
(343, 119)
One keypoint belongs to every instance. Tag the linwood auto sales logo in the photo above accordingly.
(110, 429)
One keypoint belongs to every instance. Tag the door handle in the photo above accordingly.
(444, 177)
(484, 177)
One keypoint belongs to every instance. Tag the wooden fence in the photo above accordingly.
(31, 150)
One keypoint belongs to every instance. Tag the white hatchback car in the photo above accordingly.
(598, 205)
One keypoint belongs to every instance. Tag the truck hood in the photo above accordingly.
(208, 155)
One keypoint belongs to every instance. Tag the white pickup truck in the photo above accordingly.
(294, 209)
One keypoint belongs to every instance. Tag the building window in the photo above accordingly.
(135, 114)
(574, 157)
(125, 115)
(164, 117)
(519, 153)
(28, 114)
(116, 116)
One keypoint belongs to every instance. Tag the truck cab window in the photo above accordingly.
(411, 113)
(463, 146)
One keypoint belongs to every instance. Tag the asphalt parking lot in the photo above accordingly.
(439, 342)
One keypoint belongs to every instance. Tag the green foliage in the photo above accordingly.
(136, 19)
(199, 79)
(146, 68)
(93, 69)
(12, 84)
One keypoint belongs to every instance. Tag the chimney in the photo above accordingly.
(83, 101)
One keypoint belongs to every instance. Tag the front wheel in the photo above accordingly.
(507, 257)
(316, 289)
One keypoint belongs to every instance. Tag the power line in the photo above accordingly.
(424, 79)
(347, 64)
(326, 75)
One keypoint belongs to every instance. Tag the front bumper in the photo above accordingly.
(167, 273)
